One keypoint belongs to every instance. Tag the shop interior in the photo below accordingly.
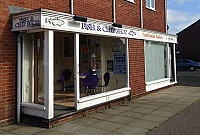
(102, 68)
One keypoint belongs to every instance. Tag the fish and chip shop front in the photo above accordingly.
(58, 56)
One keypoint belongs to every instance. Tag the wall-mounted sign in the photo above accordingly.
(119, 63)
(47, 19)
(26, 22)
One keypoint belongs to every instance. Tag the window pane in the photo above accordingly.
(155, 61)
(152, 3)
(103, 57)
(33, 68)
(185, 61)
(148, 3)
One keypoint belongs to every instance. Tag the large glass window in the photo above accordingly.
(155, 61)
(33, 68)
(104, 58)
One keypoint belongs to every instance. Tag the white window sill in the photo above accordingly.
(88, 98)
(152, 9)
(157, 81)
(34, 106)
(131, 1)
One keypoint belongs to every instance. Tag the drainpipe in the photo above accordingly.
(166, 17)
(141, 14)
(72, 7)
(19, 76)
(113, 6)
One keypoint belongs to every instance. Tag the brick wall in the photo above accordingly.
(137, 66)
(128, 13)
(97, 9)
(155, 20)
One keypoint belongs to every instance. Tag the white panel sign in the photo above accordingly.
(60, 21)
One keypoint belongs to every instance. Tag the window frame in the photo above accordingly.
(150, 5)
(131, 1)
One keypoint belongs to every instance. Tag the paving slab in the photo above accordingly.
(174, 105)
(144, 124)
(68, 128)
(142, 110)
(90, 131)
(154, 118)
(112, 111)
(107, 126)
(27, 130)
(152, 107)
(163, 113)
(101, 116)
(85, 121)
(170, 109)
(8, 133)
(51, 132)
(12, 127)
(121, 119)
(130, 114)
(131, 130)
(156, 103)
(124, 108)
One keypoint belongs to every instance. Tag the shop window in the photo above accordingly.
(33, 68)
(104, 58)
(150, 4)
(155, 61)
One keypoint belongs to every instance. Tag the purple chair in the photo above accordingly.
(106, 78)
(83, 81)
(91, 82)
(63, 79)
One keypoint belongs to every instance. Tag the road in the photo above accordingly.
(186, 122)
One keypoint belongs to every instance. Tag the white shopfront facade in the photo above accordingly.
(46, 28)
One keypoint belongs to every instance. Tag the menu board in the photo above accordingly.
(119, 63)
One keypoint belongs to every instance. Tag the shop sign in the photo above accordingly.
(26, 22)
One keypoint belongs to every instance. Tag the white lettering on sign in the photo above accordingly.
(27, 22)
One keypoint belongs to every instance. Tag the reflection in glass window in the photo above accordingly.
(33, 68)
(105, 58)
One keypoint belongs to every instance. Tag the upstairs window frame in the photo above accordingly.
(150, 4)
(131, 1)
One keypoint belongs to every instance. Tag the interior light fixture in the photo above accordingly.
(117, 25)
(80, 18)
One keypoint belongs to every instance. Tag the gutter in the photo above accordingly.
(19, 42)
(72, 7)
(114, 13)
(141, 14)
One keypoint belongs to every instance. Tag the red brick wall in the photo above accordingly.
(155, 20)
(7, 68)
(8, 52)
(128, 13)
(97, 9)
(137, 66)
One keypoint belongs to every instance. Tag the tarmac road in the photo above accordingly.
(186, 122)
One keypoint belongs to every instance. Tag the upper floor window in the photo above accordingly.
(150, 4)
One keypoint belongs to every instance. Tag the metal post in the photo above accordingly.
(76, 70)
(49, 73)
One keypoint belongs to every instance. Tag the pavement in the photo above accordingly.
(149, 114)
